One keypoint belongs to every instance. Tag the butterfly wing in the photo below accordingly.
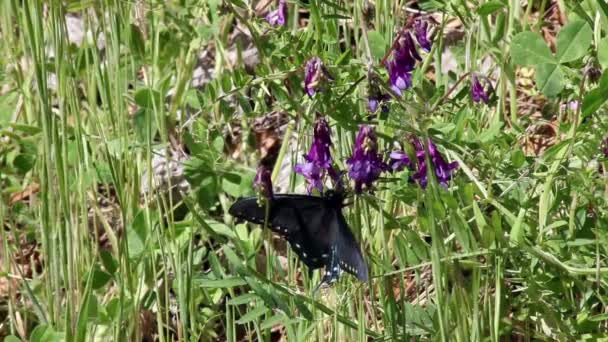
(349, 254)
(301, 220)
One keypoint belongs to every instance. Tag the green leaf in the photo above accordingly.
(218, 283)
(148, 98)
(12, 338)
(529, 48)
(596, 97)
(518, 158)
(137, 234)
(303, 310)
(377, 44)
(109, 263)
(277, 319)
(243, 299)
(602, 52)
(549, 79)
(573, 41)
(517, 229)
(45, 333)
(490, 7)
(100, 278)
(253, 314)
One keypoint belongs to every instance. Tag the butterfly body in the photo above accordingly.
(314, 227)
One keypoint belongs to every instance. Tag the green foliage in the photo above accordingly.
(530, 49)
(93, 249)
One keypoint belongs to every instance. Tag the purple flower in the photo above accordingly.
(399, 160)
(478, 93)
(318, 159)
(605, 147)
(402, 63)
(278, 16)
(313, 174)
(365, 165)
(263, 182)
(420, 28)
(443, 170)
(315, 75)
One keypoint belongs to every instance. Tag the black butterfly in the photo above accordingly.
(314, 227)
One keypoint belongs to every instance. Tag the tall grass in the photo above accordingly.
(514, 249)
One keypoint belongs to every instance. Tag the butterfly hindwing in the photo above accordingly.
(349, 254)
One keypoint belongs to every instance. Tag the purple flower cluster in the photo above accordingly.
(318, 159)
(605, 147)
(399, 160)
(405, 55)
(278, 17)
(402, 64)
(365, 165)
(263, 182)
(478, 91)
(443, 169)
(315, 74)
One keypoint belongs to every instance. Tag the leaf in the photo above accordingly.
(303, 310)
(46, 333)
(243, 299)
(377, 44)
(596, 97)
(99, 278)
(148, 98)
(218, 283)
(253, 314)
(231, 187)
(12, 338)
(549, 79)
(529, 48)
(517, 230)
(573, 40)
(518, 158)
(109, 263)
(137, 234)
(490, 7)
(602, 52)
(277, 319)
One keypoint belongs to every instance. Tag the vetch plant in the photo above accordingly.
(318, 160)
(480, 93)
(420, 28)
(315, 76)
(402, 63)
(443, 170)
(365, 165)
(278, 17)
(263, 182)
